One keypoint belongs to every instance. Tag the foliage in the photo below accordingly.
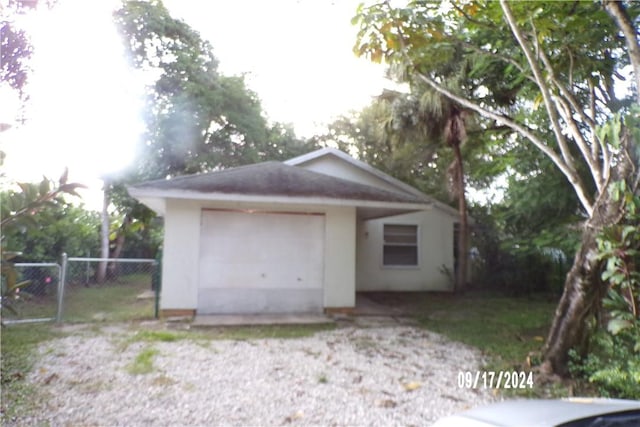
(503, 81)
(58, 228)
(619, 248)
(612, 366)
(196, 118)
(550, 83)
(19, 211)
(613, 361)
(15, 45)
(365, 133)
(509, 264)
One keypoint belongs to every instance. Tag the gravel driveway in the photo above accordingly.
(386, 375)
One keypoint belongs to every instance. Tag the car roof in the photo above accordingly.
(541, 412)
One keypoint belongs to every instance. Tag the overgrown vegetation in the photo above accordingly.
(611, 362)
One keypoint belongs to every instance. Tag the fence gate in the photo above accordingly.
(76, 291)
(40, 300)
(126, 290)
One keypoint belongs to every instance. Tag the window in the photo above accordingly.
(400, 245)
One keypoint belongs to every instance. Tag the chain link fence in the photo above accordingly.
(86, 290)
(99, 289)
(39, 301)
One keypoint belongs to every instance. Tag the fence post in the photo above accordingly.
(61, 285)
(156, 282)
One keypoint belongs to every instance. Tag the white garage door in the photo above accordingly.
(260, 262)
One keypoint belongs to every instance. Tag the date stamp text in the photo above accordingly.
(495, 379)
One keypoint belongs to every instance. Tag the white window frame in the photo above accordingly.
(416, 245)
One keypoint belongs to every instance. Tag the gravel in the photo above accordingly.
(385, 375)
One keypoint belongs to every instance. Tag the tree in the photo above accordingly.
(16, 49)
(562, 60)
(429, 120)
(196, 118)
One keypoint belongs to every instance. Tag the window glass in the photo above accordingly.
(400, 244)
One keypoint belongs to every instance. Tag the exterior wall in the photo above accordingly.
(340, 258)
(331, 165)
(435, 250)
(180, 255)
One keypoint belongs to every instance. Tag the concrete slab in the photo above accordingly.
(213, 320)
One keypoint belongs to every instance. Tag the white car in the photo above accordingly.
(571, 412)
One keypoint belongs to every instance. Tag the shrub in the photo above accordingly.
(612, 365)
(613, 362)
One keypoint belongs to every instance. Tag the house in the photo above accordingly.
(301, 236)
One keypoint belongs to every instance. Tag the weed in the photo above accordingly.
(143, 363)
(322, 379)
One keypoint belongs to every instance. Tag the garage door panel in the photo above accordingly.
(261, 262)
(258, 301)
(249, 275)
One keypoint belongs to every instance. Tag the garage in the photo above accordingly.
(260, 262)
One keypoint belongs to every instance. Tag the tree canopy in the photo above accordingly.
(548, 73)
(197, 119)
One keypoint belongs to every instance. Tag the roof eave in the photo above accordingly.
(156, 195)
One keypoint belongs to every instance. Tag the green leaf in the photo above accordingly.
(44, 187)
(616, 325)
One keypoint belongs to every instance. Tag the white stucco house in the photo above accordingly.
(301, 236)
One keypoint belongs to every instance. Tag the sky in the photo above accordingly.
(85, 106)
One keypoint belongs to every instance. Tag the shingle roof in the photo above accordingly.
(276, 179)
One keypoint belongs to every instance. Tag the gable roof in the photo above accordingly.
(401, 186)
(275, 182)
(276, 179)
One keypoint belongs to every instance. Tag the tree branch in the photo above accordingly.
(583, 146)
(504, 58)
(619, 14)
(542, 84)
(569, 173)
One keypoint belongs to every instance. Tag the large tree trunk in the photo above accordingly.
(583, 289)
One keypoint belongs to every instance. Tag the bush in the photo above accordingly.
(612, 365)
(613, 362)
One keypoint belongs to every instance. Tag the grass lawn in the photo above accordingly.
(111, 301)
(510, 330)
